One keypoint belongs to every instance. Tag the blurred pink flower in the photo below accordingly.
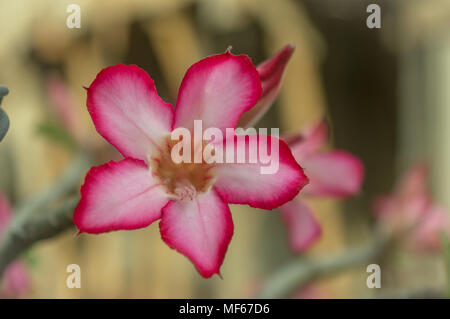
(63, 103)
(409, 213)
(15, 282)
(333, 174)
(68, 112)
(190, 199)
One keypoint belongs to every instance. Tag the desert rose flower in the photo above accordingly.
(332, 174)
(189, 198)
(15, 281)
(410, 215)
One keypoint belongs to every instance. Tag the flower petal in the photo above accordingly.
(63, 104)
(427, 235)
(303, 229)
(408, 206)
(217, 90)
(399, 215)
(414, 182)
(200, 229)
(244, 183)
(309, 141)
(271, 73)
(383, 206)
(336, 174)
(16, 281)
(5, 213)
(127, 111)
(119, 195)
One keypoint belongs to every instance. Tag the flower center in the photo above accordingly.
(181, 180)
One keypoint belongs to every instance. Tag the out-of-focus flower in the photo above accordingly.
(333, 174)
(409, 215)
(15, 282)
(191, 199)
(63, 104)
(70, 129)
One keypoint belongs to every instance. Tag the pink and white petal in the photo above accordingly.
(400, 215)
(271, 74)
(16, 281)
(427, 235)
(308, 141)
(245, 183)
(217, 90)
(118, 196)
(127, 111)
(200, 229)
(302, 227)
(5, 213)
(335, 174)
(383, 206)
(414, 182)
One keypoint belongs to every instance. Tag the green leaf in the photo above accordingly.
(57, 134)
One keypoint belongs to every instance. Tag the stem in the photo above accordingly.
(35, 221)
(301, 271)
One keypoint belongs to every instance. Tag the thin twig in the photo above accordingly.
(36, 219)
(303, 270)
(66, 183)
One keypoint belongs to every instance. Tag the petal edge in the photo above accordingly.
(200, 229)
(119, 196)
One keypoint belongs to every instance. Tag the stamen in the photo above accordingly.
(185, 190)
(182, 180)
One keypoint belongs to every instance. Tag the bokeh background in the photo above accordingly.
(384, 91)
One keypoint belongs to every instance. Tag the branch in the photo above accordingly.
(301, 271)
(34, 220)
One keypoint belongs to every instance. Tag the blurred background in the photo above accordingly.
(385, 93)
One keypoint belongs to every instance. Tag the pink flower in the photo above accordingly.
(15, 282)
(190, 199)
(335, 174)
(63, 104)
(409, 214)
